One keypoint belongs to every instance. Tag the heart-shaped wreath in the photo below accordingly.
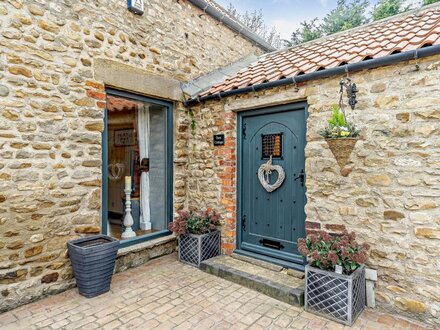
(266, 170)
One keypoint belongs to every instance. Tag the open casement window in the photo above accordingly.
(137, 144)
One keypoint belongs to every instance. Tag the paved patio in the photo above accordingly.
(166, 294)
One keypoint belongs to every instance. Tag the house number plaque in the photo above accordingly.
(219, 140)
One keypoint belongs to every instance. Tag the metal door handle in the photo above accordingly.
(301, 176)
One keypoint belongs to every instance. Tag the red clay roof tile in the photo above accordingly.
(376, 40)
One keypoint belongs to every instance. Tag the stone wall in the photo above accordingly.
(391, 197)
(51, 118)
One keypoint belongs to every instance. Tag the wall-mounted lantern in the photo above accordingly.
(351, 89)
(136, 6)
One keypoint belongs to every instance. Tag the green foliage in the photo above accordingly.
(338, 127)
(197, 225)
(255, 22)
(307, 32)
(194, 222)
(346, 15)
(193, 121)
(337, 118)
(429, 2)
(387, 8)
(325, 251)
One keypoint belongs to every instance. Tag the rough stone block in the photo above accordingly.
(370, 274)
(371, 299)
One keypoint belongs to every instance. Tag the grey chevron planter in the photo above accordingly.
(193, 249)
(335, 296)
(93, 261)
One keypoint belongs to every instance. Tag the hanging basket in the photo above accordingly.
(341, 149)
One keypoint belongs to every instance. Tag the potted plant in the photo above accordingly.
(341, 136)
(198, 236)
(335, 275)
(93, 260)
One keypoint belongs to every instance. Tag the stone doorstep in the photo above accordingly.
(275, 284)
(268, 265)
(257, 262)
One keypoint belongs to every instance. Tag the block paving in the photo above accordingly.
(166, 294)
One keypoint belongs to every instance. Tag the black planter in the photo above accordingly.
(93, 261)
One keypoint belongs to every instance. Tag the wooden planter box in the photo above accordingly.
(335, 296)
(193, 249)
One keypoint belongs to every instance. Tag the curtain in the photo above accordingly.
(144, 140)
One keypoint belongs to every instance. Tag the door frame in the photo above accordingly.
(170, 165)
(297, 263)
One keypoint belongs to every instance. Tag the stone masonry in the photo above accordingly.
(51, 118)
(391, 195)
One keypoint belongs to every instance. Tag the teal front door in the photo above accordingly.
(271, 215)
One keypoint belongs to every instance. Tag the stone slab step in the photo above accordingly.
(257, 262)
(275, 284)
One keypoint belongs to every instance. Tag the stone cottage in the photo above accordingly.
(61, 62)
(389, 192)
(91, 93)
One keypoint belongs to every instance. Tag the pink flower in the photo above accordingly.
(365, 246)
(313, 238)
(178, 226)
(325, 236)
(344, 252)
(183, 214)
(302, 247)
(325, 251)
(333, 258)
(336, 245)
(360, 258)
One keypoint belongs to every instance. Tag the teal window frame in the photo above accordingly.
(169, 175)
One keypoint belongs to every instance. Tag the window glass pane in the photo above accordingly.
(158, 167)
(137, 148)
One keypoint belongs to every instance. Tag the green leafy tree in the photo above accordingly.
(387, 8)
(255, 22)
(346, 15)
(308, 31)
(429, 2)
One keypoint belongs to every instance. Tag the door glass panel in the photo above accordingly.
(272, 145)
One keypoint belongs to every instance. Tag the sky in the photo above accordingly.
(286, 15)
